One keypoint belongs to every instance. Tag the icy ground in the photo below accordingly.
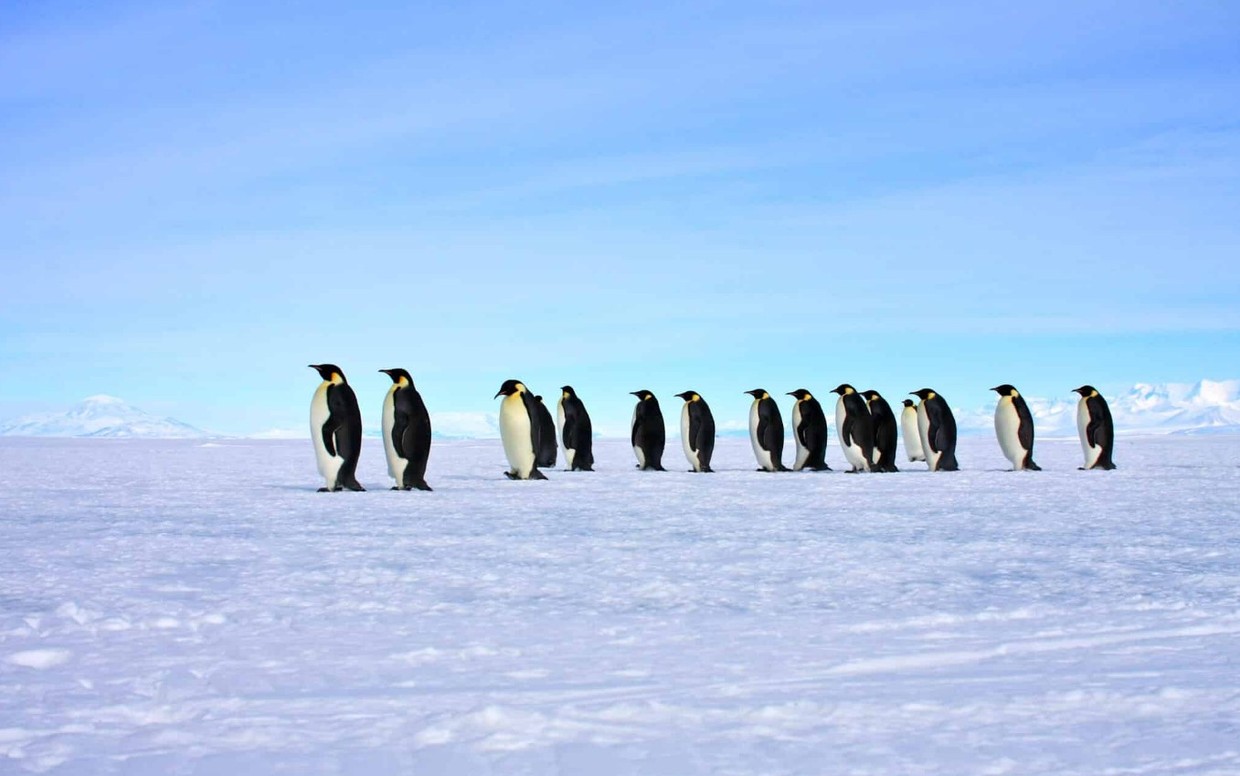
(184, 608)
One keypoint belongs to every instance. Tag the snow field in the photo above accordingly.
(181, 607)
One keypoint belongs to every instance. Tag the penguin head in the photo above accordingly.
(908, 402)
(1086, 391)
(643, 395)
(329, 372)
(759, 394)
(689, 396)
(924, 394)
(509, 388)
(843, 389)
(1006, 390)
(399, 376)
(801, 394)
(567, 392)
(538, 399)
(870, 396)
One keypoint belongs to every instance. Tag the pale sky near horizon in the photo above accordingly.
(200, 198)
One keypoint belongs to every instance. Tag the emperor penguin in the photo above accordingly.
(546, 435)
(575, 431)
(406, 432)
(1014, 427)
(884, 457)
(648, 434)
(855, 428)
(937, 427)
(520, 430)
(809, 431)
(697, 431)
(336, 428)
(1097, 430)
(766, 431)
(908, 430)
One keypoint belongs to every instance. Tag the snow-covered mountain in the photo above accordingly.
(101, 416)
(1205, 407)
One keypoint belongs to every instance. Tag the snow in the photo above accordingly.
(169, 607)
(101, 416)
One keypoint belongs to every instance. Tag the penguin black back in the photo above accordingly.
(577, 432)
(941, 434)
(546, 434)
(340, 432)
(886, 433)
(649, 436)
(410, 433)
(810, 430)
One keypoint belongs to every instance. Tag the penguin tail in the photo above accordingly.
(1029, 464)
(352, 484)
(537, 475)
(421, 485)
(1109, 466)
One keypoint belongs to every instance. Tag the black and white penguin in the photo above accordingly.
(908, 430)
(1093, 421)
(809, 431)
(885, 432)
(855, 428)
(520, 431)
(937, 427)
(766, 431)
(336, 428)
(1014, 427)
(406, 432)
(547, 447)
(648, 433)
(575, 431)
(697, 431)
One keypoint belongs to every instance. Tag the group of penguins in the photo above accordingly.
(866, 424)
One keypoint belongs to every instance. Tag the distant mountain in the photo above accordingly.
(1205, 407)
(102, 417)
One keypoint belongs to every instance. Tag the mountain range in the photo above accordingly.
(103, 417)
(1205, 407)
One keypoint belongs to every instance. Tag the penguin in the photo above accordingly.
(908, 430)
(406, 432)
(937, 427)
(884, 457)
(697, 431)
(648, 434)
(1097, 430)
(1014, 427)
(575, 431)
(809, 431)
(855, 428)
(336, 428)
(520, 430)
(766, 431)
(547, 447)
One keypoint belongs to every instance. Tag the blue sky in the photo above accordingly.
(199, 199)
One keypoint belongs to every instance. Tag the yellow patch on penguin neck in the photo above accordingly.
(1093, 394)
(403, 382)
(336, 378)
(808, 396)
(695, 397)
(931, 395)
(564, 395)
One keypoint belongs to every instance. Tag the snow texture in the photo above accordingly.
(189, 608)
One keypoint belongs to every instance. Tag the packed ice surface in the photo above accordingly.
(185, 607)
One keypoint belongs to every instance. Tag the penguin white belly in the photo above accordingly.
(685, 441)
(923, 431)
(514, 431)
(912, 437)
(569, 452)
(1092, 454)
(852, 451)
(396, 464)
(763, 456)
(1007, 429)
(802, 450)
(637, 450)
(329, 465)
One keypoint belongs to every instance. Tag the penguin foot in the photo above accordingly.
(511, 475)
(325, 490)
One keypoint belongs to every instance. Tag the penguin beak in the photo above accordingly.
(635, 393)
(498, 393)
